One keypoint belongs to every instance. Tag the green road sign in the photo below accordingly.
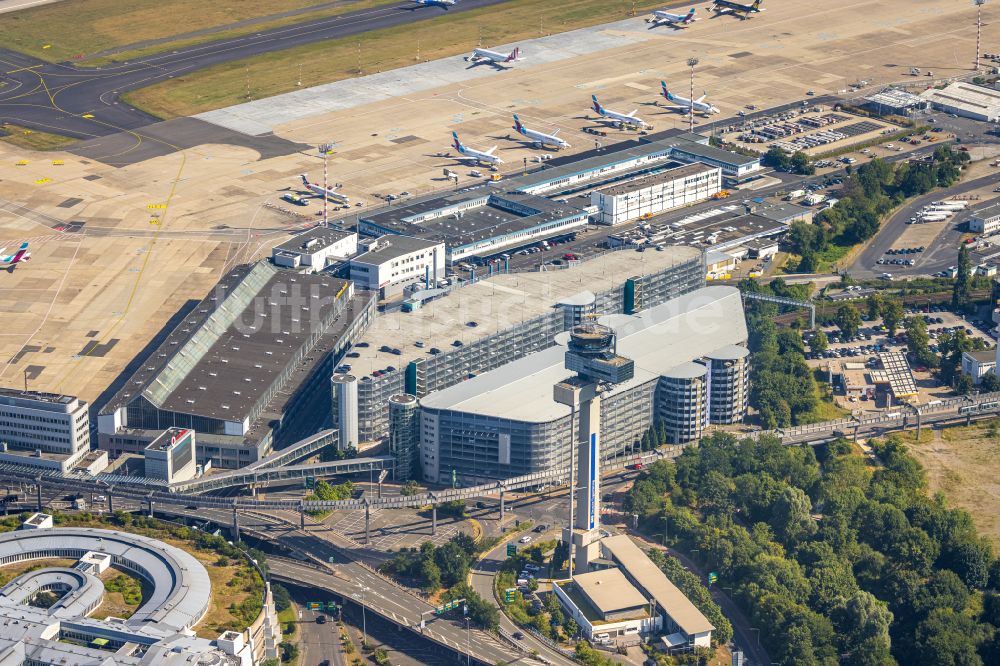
(509, 595)
(310, 482)
(511, 550)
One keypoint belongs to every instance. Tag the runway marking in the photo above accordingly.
(25, 69)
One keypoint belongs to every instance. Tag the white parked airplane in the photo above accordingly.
(700, 105)
(678, 21)
(540, 138)
(330, 192)
(11, 260)
(443, 4)
(493, 57)
(622, 119)
(478, 156)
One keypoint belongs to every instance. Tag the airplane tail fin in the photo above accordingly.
(666, 93)
(513, 54)
(597, 105)
(458, 144)
(305, 181)
(517, 124)
(24, 246)
(755, 6)
(690, 16)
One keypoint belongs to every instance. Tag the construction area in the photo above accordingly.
(130, 236)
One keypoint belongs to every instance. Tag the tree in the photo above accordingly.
(820, 342)
(989, 383)
(962, 287)
(411, 487)
(282, 600)
(801, 164)
(453, 561)
(848, 320)
(792, 516)
(875, 304)
(777, 158)
(430, 575)
(964, 384)
(865, 618)
(892, 315)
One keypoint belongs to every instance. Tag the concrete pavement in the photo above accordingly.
(938, 256)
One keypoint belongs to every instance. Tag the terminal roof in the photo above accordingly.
(609, 591)
(316, 238)
(392, 247)
(497, 303)
(657, 340)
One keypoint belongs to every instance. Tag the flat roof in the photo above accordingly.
(609, 591)
(483, 213)
(986, 210)
(224, 355)
(391, 246)
(317, 239)
(36, 396)
(780, 210)
(896, 373)
(657, 340)
(664, 176)
(167, 439)
(967, 96)
(717, 154)
(497, 303)
(985, 356)
(676, 604)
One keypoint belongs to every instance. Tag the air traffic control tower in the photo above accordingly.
(592, 355)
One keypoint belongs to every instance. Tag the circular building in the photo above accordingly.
(683, 402)
(46, 612)
(729, 384)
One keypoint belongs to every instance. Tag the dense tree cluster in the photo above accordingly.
(435, 566)
(782, 387)
(835, 561)
(868, 194)
(779, 159)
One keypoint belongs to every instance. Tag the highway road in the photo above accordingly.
(58, 97)
(482, 576)
(939, 255)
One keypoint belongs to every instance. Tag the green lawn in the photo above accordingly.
(73, 28)
(33, 139)
(375, 51)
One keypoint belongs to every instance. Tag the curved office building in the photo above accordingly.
(683, 403)
(35, 630)
(505, 422)
(729, 384)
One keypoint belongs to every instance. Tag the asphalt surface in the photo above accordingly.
(57, 97)
(939, 255)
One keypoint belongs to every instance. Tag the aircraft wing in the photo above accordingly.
(702, 98)
(490, 151)
(556, 132)
(632, 114)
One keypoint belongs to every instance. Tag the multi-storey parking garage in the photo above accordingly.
(506, 423)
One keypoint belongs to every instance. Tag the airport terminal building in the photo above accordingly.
(691, 369)
(487, 324)
(248, 369)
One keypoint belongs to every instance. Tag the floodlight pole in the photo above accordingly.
(325, 149)
(691, 63)
(979, 29)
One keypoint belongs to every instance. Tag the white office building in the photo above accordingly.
(43, 429)
(391, 262)
(657, 192)
(171, 456)
(315, 249)
(985, 219)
